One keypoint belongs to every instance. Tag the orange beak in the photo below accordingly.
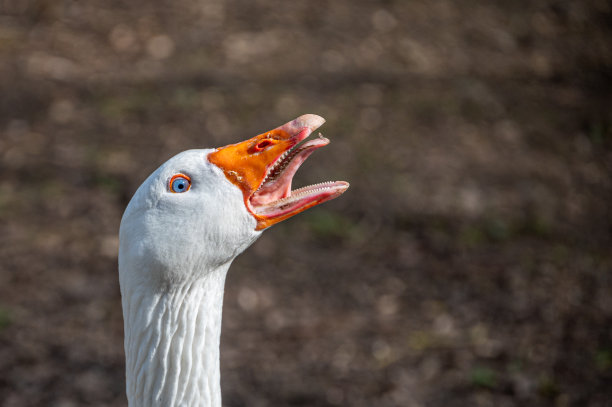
(263, 168)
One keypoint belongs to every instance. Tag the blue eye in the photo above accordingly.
(180, 183)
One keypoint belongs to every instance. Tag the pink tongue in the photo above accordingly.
(281, 187)
(271, 192)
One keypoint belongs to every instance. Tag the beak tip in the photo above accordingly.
(312, 121)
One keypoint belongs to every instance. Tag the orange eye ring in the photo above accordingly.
(179, 183)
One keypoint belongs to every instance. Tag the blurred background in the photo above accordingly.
(469, 264)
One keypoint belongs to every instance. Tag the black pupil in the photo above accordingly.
(180, 185)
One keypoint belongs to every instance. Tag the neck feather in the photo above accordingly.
(172, 343)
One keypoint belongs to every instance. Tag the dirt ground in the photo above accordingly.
(469, 264)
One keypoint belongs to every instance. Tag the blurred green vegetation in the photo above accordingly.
(484, 377)
(5, 317)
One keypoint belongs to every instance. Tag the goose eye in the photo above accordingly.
(180, 183)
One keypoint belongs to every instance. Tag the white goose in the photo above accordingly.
(178, 237)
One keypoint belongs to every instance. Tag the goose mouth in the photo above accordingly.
(274, 198)
(263, 168)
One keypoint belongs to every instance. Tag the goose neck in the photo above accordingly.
(172, 343)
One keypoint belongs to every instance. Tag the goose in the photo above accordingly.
(178, 236)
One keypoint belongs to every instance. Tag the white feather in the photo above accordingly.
(174, 253)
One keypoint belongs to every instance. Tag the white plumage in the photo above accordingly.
(176, 248)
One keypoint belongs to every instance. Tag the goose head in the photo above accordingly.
(178, 236)
(202, 208)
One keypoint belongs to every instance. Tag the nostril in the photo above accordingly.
(263, 144)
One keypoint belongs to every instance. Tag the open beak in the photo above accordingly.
(263, 168)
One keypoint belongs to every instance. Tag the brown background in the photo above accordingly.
(469, 264)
